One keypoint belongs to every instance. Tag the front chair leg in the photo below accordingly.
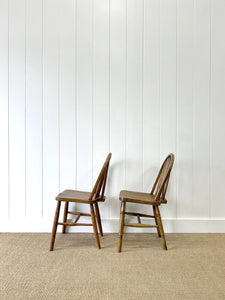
(156, 221)
(122, 216)
(93, 217)
(55, 224)
(65, 216)
(98, 219)
(159, 220)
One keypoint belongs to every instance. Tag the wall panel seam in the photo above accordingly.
(109, 65)
(193, 37)
(42, 114)
(8, 121)
(76, 127)
(92, 90)
(160, 46)
(25, 105)
(210, 116)
(142, 91)
(59, 89)
(125, 119)
(176, 102)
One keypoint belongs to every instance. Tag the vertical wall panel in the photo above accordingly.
(34, 108)
(168, 90)
(84, 94)
(134, 148)
(67, 94)
(201, 110)
(217, 110)
(100, 88)
(134, 100)
(17, 100)
(4, 105)
(50, 105)
(151, 93)
(184, 155)
(138, 78)
(116, 179)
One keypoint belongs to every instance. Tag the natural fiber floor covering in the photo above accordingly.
(192, 268)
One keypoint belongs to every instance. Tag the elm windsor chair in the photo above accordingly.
(90, 198)
(155, 198)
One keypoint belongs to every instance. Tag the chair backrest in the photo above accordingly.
(162, 180)
(99, 187)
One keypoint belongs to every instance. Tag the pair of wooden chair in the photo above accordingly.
(155, 199)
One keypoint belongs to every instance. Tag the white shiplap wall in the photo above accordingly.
(80, 78)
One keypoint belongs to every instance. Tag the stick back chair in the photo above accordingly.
(155, 199)
(88, 198)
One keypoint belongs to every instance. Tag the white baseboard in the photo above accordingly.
(174, 226)
(112, 226)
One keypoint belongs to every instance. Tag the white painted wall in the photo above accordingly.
(139, 78)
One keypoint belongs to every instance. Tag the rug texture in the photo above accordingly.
(193, 267)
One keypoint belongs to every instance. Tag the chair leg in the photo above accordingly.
(65, 216)
(95, 226)
(55, 224)
(122, 216)
(98, 219)
(161, 227)
(156, 221)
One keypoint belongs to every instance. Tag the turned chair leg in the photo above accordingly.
(55, 224)
(122, 216)
(156, 221)
(65, 216)
(98, 219)
(93, 217)
(159, 220)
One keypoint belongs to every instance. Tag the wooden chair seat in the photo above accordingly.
(142, 198)
(155, 198)
(78, 197)
(90, 198)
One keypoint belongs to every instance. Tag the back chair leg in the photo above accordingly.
(156, 221)
(122, 216)
(55, 224)
(159, 220)
(65, 216)
(98, 219)
(93, 217)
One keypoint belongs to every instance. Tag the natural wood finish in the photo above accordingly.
(65, 216)
(139, 225)
(139, 214)
(91, 198)
(155, 199)
(139, 219)
(122, 216)
(55, 224)
(95, 226)
(98, 219)
(142, 198)
(156, 220)
(75, 224)
(158, 216)
(76, 213)
(77, 218)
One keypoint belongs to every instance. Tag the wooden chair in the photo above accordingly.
(155, 198)
(90, 198)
